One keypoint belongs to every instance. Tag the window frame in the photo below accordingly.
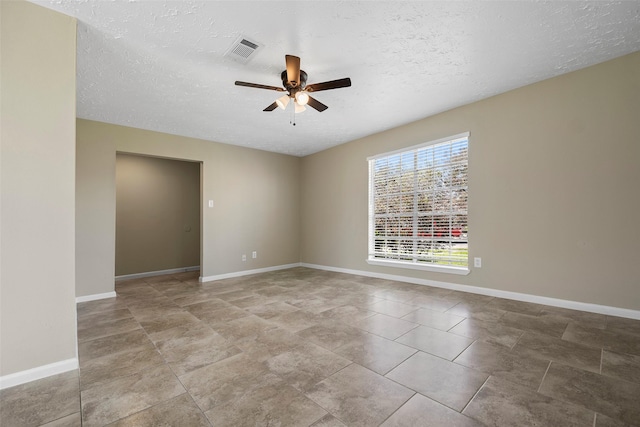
(372, 259)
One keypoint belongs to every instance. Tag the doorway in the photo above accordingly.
(158, 208)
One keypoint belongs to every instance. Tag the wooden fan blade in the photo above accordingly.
(317, 105)
(259, 86)
(271, 107)
(293, 70)
(333, 84)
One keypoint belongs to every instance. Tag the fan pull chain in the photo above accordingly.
(292, 120)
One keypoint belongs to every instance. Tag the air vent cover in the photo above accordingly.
(243, 49)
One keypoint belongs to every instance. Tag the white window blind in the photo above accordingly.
(418, 205)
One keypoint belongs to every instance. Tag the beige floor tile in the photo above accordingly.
(622, 342)
(433, 303)
(347, 313)
(73, 420)
(436, 342)
(477, 311)
(263, 406)
(491, 332)
(169, 321)
(623, 325)
(144, 310)
(451, 384)
(558, 350)
(331, 334)
(328, 421)
(515, 306)
(93, 319)
(271, 291)
(267, 311)
(392, 308)
(197, 353)
(179, 411)
(125, 396)
(314, 304)
(196, 297)
(223, 315)
(106, 368)
(358, 396)
(500, 362)
(375, 353)
(385, 326)
(227, 380)
(251, 300)
(42, 401)
(422, 411)
(503, 403)
(108, 327)
(100, 306)
(434, 319)
(234, 295)
(622, 366)
(615, 398)
(306, 365)
(128, 341)
(542, 325)
(583, 318)
(296, 321)
(604, 421)
(243, 328)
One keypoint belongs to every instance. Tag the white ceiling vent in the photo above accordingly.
(243, 50)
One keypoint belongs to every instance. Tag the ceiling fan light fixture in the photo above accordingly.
(300, 108)
(302, 98)
(283, 101)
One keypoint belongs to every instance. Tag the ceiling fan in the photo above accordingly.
(294, 82)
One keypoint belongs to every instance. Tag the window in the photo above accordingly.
(418, 206)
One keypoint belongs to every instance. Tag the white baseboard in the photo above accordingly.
(94, 297)
(40, 372)
(247, 272)
(156, 273)
(555, 302)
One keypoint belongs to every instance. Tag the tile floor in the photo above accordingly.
(305, 347)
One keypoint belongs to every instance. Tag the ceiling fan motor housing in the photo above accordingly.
(293, 89)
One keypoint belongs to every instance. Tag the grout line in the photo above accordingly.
(517, 341)
(475, 394)
(401, 362)
(399, 407)
(397, 338)
(595, 418)
(80, 392)
(462, 320)
(601, 359)
(463, 350)
(543, 377)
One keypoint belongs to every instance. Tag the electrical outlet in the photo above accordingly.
(477, 262)
(254, 255)
(244, 257)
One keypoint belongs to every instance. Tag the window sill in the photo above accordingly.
(414, 266)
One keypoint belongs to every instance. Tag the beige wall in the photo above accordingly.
(256, 195)
(95, 215)
(157, 214)
(37, 279)
(554, 170)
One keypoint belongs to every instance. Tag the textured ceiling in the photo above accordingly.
(160, 65)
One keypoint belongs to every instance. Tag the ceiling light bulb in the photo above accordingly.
(300, 108)
(302, 98)
(283, 101)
